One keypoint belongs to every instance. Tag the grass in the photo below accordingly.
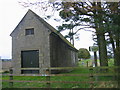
(111, 62)
(72, 78)
(81, 70)
(84, 62)
(53, 78)
(56, 78)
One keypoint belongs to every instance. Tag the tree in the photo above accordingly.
(89, 15)
(71, 32)
(113, 28)
(83, 53)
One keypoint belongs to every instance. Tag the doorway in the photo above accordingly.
(30, 59)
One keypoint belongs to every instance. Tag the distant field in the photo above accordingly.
(90, 62)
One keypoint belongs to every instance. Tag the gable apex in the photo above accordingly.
(28, 12)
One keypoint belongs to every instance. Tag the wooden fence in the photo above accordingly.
(94, 74)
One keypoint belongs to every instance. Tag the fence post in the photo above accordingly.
(11, 78)
(91, 78)
(87, 64)
(48, 78)
(118, 76)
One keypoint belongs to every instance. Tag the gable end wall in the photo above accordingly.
(38, 41)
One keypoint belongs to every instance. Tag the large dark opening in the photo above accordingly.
(29, 59)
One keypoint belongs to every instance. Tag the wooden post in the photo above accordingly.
(87, 63)
(91, 78)
(48, 78)
(11, 78)
(118, 76)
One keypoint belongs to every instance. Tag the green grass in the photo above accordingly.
(72, 78)
(111, 62)
(84, 62)
(53, 78)
(81, 70)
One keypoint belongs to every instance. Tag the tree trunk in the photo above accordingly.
(100, 34)
(95, 59)
(117, 63)
(102, 49)
(112, 41)
(117, 51)
(117, 59)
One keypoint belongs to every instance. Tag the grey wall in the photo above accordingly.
(61, 55)
(6, 65)
(38, 41)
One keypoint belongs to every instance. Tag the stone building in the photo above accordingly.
(36, 44)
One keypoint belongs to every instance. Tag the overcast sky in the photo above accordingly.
(10, 16)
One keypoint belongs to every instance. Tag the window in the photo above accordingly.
(29, 31)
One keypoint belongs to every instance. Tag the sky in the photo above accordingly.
(11, 14)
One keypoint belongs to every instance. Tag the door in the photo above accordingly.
(30, 59)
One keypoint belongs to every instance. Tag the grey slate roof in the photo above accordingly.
(49, 27)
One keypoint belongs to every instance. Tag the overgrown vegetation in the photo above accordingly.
(83, 53)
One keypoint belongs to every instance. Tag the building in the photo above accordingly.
(36, 44)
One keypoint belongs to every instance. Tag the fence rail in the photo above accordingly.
(97, 74)
(57, 68)
(94, 73)
(60, 81)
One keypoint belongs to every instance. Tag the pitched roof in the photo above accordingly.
(48, 26)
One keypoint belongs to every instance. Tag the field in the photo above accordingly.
(80, 70)
(90, 62)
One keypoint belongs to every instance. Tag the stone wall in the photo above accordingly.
(6, 65)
